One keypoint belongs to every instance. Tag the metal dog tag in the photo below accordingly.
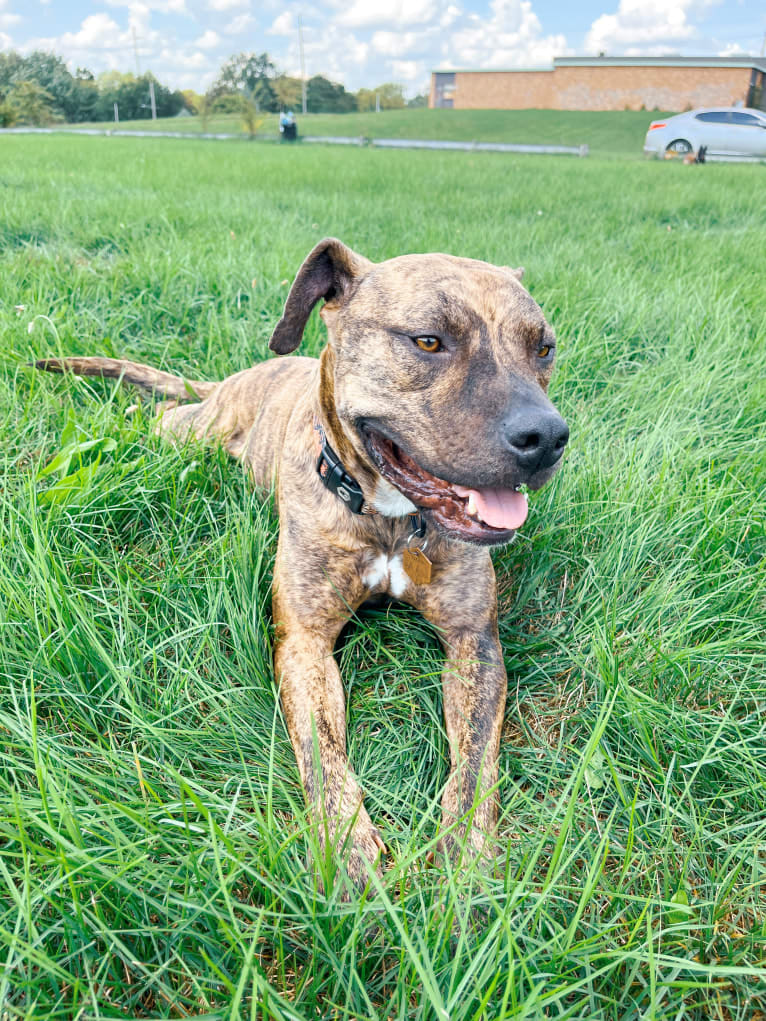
(416, 566)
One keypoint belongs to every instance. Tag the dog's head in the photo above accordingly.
(440, 368)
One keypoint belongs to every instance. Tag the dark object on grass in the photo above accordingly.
(288, 127)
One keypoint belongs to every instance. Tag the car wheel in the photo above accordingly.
(679, 146)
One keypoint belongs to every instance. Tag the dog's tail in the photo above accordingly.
(152, 381)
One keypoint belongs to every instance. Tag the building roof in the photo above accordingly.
(757, 63)
(489, 70)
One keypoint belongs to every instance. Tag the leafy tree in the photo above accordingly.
(252, 118)
(418, 101)
(111, 80)
(391, 97)
(85, 94)
(324, 96)
(251, 74)
(51, 73)
(365, 100)
(30, 103)
(11, 63)
(80, 97)
(192, 100)
(229, 102)
(122, 89)
(169, 102)
(7, 115)
(132, 95)
(239, 103)
(289, 91)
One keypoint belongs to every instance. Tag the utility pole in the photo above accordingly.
(153, 100)
(303, 64)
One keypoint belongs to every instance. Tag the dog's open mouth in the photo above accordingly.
(479, 515)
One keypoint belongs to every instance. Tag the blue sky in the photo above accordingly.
(367, 42)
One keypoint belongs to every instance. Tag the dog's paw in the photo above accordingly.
(466, 845)
(350, 851)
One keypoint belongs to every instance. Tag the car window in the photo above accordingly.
(714, 116)
(745, 118)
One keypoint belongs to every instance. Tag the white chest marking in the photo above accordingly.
(387, 573)
(397, 579)
(377, 572)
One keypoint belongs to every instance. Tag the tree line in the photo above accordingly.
(40, 89)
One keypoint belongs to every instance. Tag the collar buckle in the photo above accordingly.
(335, 477)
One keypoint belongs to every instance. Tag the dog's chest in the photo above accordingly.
(383, 572)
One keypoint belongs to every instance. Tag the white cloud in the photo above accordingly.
(227, 5)
(102, 44)
(237, 26)
(335, 54)
(208, 40)
(395, 44)
(645, 24)
(183, 61)
(190, 78)
(406, 70)
(96, 31)
(369, 13)
(511, 37)
(163, 6)
(732, 50)
(7, 18)
(283, 25)
(449, 16)
(5, 41)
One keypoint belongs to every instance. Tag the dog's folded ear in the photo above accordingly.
(518, 272)
(329, 271)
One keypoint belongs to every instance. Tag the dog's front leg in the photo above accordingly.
(474, 685)
(314, 707)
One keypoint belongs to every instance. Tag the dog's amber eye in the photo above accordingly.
(429, 344)
(544, 351)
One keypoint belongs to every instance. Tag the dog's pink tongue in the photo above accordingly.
(501, 508)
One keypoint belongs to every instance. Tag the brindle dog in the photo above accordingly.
(398, 454)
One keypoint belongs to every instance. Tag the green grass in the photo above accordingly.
(619, 133)
(152, 839)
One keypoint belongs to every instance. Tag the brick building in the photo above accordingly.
(607, 83)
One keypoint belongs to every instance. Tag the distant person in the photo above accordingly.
(287, 126)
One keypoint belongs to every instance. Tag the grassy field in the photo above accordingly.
(607, 133)
(152, 836)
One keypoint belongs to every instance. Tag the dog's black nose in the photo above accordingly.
(536, 438)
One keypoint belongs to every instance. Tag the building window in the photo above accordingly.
(444, 90)
(756, 94)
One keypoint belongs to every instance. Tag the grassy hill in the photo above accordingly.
(611, 133)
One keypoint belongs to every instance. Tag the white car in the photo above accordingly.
(725, 131)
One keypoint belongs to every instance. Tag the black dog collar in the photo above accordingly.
(335, 477)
